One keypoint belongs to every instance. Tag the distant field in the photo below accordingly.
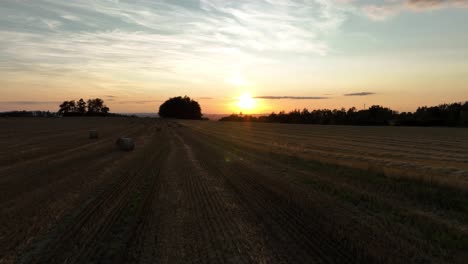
(439, 154)
(212, 192)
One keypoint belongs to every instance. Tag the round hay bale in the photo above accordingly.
(125, 144)
(93, 134)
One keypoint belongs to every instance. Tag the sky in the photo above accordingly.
(286, 54)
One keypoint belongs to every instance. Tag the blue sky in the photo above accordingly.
(291, 53)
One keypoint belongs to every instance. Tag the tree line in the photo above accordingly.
(25, 113)
(455, 114)
(91, 107)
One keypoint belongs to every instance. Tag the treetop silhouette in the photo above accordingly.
(93, 107)
(181, 108)
(455, 114)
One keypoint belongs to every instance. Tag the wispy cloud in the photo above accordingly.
(359, 94)
(291, 97)
(110, 98)
(380, 13)
(434, 4)
(391, 8)
(138, 101)
(29, 102)
(175, 42)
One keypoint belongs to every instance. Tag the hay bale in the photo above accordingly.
(125, 144)
(93, 134)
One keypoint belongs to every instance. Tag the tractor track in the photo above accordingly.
(75, 240)
(46, 196)
(306, 204)
(291, 237)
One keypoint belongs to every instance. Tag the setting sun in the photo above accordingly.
(246, 102)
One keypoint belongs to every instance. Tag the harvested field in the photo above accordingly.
(212, 192)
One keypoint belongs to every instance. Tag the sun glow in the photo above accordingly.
(237, 80)
(246, 102)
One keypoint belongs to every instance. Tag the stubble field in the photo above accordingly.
(212, 192)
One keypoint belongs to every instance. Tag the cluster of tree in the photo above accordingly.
(455, 114)
(27, 114)
(92, 107)
(181, 108)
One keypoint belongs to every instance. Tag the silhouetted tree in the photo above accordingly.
(93, 108)
(81, 106)
(27, 114)
(180, 107)
(96, 106)
(464, 114)
(455, 114)
(67, 107)
(105, 110)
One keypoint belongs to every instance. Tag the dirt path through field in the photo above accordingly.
(194, 218)
(212, 213)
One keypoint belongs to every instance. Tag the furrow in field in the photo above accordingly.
(283, 226)
(363, 151)
(209, 201)
(26, 142)
(376, 221)
(73, 239)
(285, 191)
(195, 218)
(304, 133)
(333, 143)
(440, 166)
(76, 145)
(43, 173)
(67, 189)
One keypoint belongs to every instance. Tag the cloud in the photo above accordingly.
(29, 102)
(391, 8)
(138, 101)
(205, 98)
(110, 98)
(291, 97)
(70, 17)
(51, 24)
(380, 13)
(434, 4)
(359, 94)
(167, 39)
